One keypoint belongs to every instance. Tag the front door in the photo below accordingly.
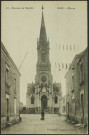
(44, 102)
(82, 107)
(7, 100)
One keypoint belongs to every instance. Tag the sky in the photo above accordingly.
(66, 24)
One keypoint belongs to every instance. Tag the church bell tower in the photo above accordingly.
(43, 78)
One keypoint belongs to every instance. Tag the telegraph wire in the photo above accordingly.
(20, 65)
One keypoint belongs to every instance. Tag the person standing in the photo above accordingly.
(42, 115)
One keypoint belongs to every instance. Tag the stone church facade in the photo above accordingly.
(44, 94)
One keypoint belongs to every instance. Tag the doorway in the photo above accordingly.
(82, 107)
(7, 101)
(44, 102)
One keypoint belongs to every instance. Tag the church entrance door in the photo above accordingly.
(44, 102)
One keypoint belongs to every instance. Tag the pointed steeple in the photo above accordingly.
(43, 63)
(43, 37)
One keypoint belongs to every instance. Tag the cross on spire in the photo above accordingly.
(42, 7)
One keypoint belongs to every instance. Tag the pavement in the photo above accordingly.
(53, 124)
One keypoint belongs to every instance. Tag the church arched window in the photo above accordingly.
(32, 100)
(56, 100)
(43, 57)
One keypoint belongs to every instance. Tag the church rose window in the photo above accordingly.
(43, 78)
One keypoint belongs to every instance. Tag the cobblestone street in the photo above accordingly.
(53, 124)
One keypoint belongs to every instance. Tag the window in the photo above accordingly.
(14, 106)
(43, 57)
(6, 74)
(7, 106)
(82, 102)
(81, 73)
(64, 109)
(32, 100)
(73, 82)
(68, 108)
(56, 99)
(14, 85)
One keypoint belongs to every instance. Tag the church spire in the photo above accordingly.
(43, 37)
(43, 63)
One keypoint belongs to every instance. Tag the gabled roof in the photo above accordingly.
(78, 56)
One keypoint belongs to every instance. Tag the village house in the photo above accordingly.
(10, 89)
(77, 89)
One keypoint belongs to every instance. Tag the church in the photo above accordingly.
(43, 94)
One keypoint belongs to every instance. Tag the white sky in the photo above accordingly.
(20, 29)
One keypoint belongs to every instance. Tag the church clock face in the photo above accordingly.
(43, 78)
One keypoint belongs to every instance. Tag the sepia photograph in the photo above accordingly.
(44, 67)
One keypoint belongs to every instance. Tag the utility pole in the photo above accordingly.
(13, 79)
(20, 65)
